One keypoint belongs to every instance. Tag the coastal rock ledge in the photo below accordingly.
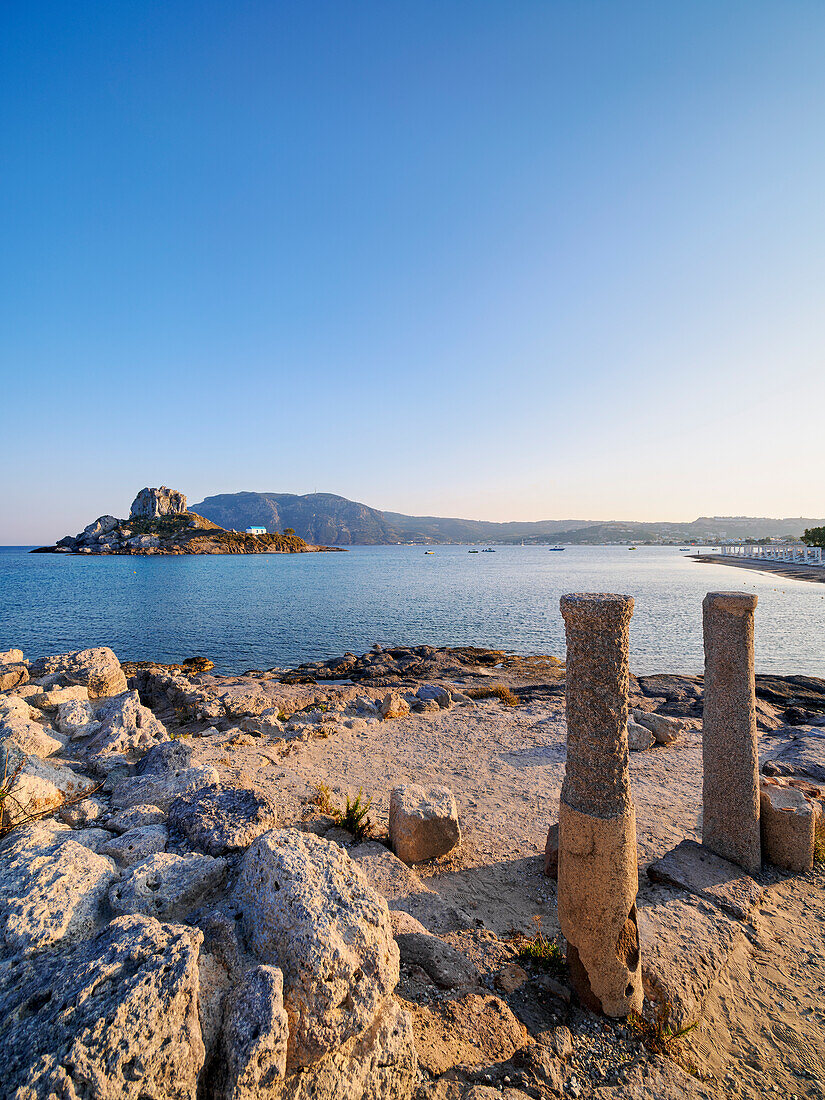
(159, 523)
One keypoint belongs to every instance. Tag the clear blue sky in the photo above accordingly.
(509, 260)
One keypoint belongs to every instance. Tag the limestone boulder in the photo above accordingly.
(112, 1017)
(161, 790)
(126, 731)
(167, 886)
(21, 735)
(136, 845)
(84, 812)
(76, 719)
(52, 889)
(219, 819)
(98, 670)
(639, 737)
(36, 786)
(423, 822)
(12, 675)
(255, 1033)
(52, 698)
(309, 908)
(665, 730)
(394, 706)
(378, 1065)
(135, 817)
(11, 656)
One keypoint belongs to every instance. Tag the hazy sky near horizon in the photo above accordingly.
(501, 260)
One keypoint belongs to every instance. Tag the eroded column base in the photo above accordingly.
(598, 881)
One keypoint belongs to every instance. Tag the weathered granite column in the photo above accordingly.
(598, 874)
(730, 786)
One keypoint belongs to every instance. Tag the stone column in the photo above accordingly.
(730, 785)
(598, 875)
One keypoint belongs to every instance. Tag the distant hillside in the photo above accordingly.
(335, 521)
(320, 518)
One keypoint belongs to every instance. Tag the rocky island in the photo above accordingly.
(159, 523)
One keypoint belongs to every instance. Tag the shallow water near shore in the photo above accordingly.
(259, 611)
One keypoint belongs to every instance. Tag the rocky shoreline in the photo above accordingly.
(192, 909)
(159, 523)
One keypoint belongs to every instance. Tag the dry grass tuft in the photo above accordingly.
(495, 691)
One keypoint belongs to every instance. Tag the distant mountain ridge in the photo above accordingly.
(331, 520)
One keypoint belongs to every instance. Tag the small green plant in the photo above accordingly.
(658, 1034)
(354, 817)
(542, 952)
(819, 846)
(495, 691)
(323, 800)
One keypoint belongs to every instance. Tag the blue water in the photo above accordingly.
(258, 611)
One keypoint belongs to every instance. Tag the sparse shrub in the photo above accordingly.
(323, 800)
(354, 818)
(819, 846)
(542, 952)
(495, 691)
(24, 814)
(658, 1034)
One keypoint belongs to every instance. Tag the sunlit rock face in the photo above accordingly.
(150, 503)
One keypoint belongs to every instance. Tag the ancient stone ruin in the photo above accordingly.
(150, 503)
(730, 788)
(597, 868)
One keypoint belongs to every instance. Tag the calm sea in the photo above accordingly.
(260, 611)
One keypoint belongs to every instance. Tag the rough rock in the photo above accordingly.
(136, 844)
(447, 967)
(639, 737)
(98, 670)
(135, 817)
(12, 675)
(700, 871)
(38, 786)
(82, 813)
(511, 977)
(51, 887)
(788, 824)
(477, 1029)
(167, 886)
(53, 698)
(394, 706)
(805, 755)
(309, 908)
(127, 731)
(11, 656)
(161, 790)
(255, 1033)
(687, 943)
(113, 1017)
(150, 503)
(405, 890)
(21, 736)
(76, 718)
(166, 758)
(221, 819)
(423, 822)
(666, 730)
(381, 1064)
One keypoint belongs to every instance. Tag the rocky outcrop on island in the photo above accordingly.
(159, 523)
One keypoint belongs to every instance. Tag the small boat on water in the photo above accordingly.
(684, 549)
(555, 549)
(472, 551)
(428, 552)
(631, 547)
(489, 550)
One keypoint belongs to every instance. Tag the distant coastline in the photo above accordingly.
(781, 568)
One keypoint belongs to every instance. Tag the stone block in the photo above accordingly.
(788, 827)
(700, 871)
(423, 822)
